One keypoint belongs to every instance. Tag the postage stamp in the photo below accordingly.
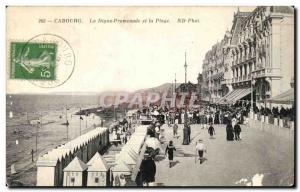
(30, 60)
(45, 60)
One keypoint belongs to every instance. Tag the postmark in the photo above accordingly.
(46, 60)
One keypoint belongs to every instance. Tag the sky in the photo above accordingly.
(124, 57)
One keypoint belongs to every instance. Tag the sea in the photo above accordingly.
(24, 134)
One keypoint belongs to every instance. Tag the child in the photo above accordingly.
(211, 130)
(170, 150)
(200, 148)
(175, 128)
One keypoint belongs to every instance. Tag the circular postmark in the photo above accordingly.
(49, 58)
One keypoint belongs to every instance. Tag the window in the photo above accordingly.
(97, 180)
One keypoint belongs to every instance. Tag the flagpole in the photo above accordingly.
(66, 113)
(86, 115)
(67, 123)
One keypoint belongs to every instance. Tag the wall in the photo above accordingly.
(287, 52)
(45, 176)
(69, 175)
(102, 178)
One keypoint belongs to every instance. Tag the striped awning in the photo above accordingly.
(234, 96)
(283, 98)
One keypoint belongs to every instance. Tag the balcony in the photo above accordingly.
(216, 87)
(266, 72)
(242, 78)
(235, 80)
(226, 81)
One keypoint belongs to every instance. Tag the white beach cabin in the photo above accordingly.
(98, 171)
(75, 174)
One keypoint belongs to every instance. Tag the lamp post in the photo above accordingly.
(39, 123)
(36, 138)
(67, 123)
(80, 121)
(86, 115)
(252, 98)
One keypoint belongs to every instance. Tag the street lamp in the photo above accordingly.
(80, 118)
(86, 115)
(252, 98)
(67, 123)
(37, 132)
(36, 139)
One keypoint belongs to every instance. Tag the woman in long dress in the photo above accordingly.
(229, 132)
(216, 120)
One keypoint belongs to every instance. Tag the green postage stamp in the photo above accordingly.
(31, 60)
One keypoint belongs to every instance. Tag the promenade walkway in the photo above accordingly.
(260, 158)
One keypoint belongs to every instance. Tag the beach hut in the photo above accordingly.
(75, 174)
(46, 171)
(126, 157)
(98, 171)
(129, 150)
(51, 164)
(119, 171)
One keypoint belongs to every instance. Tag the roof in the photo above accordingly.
(187, 87)
(97, 163)
(121, 167)
(136, 169)
(238, 20)
(286, 97)
(131, 151)
(128, 158)
(51, 157)
(76, 165)
(141, 129)
(282, 9)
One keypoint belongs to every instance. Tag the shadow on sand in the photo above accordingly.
(174, 163)
(195, 137)
(203, 160)
(181, 153)
(159, 157)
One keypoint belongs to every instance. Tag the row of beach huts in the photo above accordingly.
(80, 163)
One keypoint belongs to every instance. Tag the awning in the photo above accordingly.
(234, 95)
(283, 98)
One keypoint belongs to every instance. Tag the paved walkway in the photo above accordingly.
(229, 163)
